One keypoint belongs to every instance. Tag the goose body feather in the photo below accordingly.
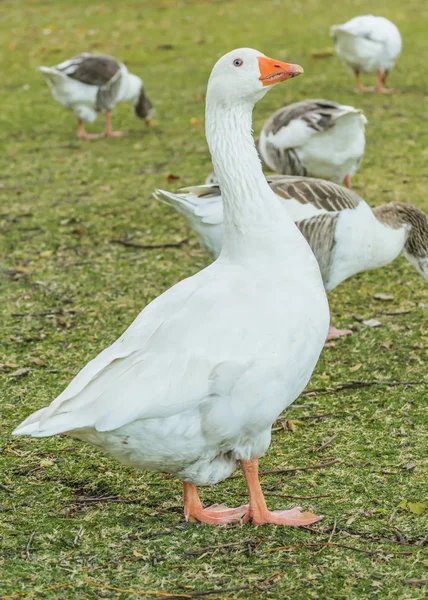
(315, 138)
(367, 43)
(341, 228)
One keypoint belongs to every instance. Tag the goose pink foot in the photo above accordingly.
(83, 135)
(258, 513)
(108, 132)
(217, 514)
(292, 517)
(334, 333)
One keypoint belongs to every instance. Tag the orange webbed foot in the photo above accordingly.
(292, 517)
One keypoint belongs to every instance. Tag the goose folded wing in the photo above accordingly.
(322, 194)
(168, 361)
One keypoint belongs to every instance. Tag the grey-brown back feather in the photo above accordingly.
(319, 232)
(92, 69)
(108, 93)
(318, 114)
(320, 193)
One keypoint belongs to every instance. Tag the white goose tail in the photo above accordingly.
(202, 206)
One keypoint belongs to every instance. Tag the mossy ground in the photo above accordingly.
(67, 292)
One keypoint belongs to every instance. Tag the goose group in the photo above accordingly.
(194, 384)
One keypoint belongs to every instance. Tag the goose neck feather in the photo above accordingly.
(255, 223)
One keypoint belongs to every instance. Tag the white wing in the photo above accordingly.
(166, 362)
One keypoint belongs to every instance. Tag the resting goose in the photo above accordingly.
(368, 43)
(92, 83)
(194, 384)
(345, 234)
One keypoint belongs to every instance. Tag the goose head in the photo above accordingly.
(245, 75)
(143, 107)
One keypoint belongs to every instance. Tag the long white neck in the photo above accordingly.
(254, 220)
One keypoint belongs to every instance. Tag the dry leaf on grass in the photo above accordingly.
(170, 178)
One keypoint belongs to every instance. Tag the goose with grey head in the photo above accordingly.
(90, 84)
(195, 383)
(346, 235)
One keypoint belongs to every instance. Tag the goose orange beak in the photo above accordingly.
(273, 71)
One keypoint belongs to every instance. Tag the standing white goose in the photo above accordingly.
(368, 43)
(345, 234)
(93, 83)
(195, 383)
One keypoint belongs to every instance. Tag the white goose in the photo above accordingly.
(194, 384)
(314, 138)
(345, 234)
(93, 83)
(368, 43)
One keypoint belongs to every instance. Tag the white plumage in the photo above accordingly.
(315, 138)
(368, 43)
(89, 84)
(346, 235)
(196, 381)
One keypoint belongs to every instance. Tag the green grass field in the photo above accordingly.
(74, 524)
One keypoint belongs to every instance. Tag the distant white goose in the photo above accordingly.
(368, 43)
(195, 383)
(92, 83)
(315, 138)
(345, 234)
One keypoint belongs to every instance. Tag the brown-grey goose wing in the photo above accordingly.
(321, 193)
(318, 114)
(319, 232)
(99, 70)
(92, 69)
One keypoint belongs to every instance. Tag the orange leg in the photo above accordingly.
(81, 132)
(108, 132)
(380, 84)
(347, 182)
(217, 514)
(258, 512)
(359, 87)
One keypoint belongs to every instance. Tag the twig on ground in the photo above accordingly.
(292, 469)
(324, 415)
(5, 488)
(333, 531)
(78, 536)
(360, 384)
(328, 543)
(95, 499)
(27, 547)
(400, 537)
(208, 548)
(422, 541)
(165, 596)
(325, 444)
(392, 516)
(416, 582)
(130, 244)
(47, 313)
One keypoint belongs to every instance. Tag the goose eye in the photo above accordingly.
(238, 62)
